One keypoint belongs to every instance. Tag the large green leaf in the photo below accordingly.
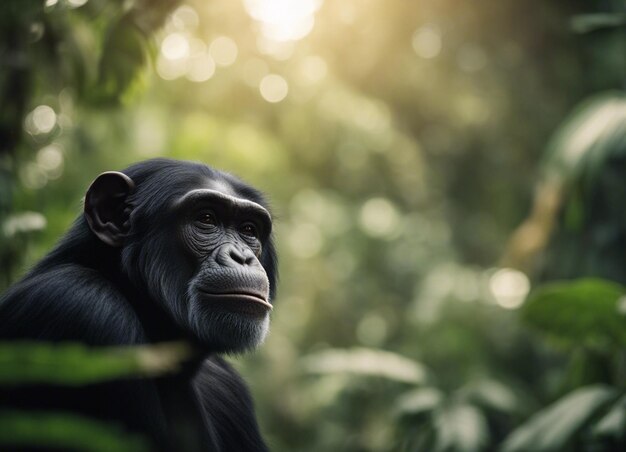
(76, 364)
(557, 426)
(585, 311)
(60, 431)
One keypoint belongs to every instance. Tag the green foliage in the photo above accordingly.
(70, 364)
(586, 23)
(613, 424)
(585, 312)
(463, 420)
(562, 425)
(366, 362)
(419, 401)
(122, 63)
(60, 431)
(75, 364)
(460, 428)
(590, 138)
(584, 161)
(491, 395)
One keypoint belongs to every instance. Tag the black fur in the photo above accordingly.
(87, 291)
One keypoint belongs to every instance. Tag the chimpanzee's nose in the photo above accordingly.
(231, 255)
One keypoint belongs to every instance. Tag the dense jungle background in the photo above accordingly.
(448, 179)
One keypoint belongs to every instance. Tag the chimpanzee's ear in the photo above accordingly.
(106, 208)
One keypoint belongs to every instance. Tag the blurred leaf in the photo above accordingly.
(149, 15)
(366, 362)
(60, 431)
(419, 401)
(579, 150)
(574, 211)
(23, 222)
(75, 364)
(585, 23)
(557, 426)
(613, 424)
(122, 63)
(584, 311)
(491, 394)
(588, 366)
(462, 428)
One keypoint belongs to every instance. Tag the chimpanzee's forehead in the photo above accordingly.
(221, 186)
(232, 186)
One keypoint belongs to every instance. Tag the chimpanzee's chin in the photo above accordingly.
(227, 331)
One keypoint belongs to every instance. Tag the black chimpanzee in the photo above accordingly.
(166, 250)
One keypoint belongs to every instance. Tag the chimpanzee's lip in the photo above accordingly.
(249, 296)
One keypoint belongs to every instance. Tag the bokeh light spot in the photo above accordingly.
(175, 46)
(76, 3)
(509, 287)
(50, 160)
(223, 50)
(284, 20)
(41, 120)
(379, 218)
(427, 41)
(171, 70)
(185, 18)
(273, 88)
(372, 330)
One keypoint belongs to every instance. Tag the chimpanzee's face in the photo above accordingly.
(223, 237)
(198, 242)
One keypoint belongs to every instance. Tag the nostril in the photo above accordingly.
(237, 256)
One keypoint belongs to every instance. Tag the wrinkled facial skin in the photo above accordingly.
(226, 300)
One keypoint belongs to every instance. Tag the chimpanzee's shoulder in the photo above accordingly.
(68, 303)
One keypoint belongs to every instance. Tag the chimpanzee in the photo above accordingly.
(165, 250)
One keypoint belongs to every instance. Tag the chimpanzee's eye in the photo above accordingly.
(207, 219)
(250, 230)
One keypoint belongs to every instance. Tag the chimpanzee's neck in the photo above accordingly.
(81, 247)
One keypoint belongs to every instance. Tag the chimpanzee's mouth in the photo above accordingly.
(240, 300)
